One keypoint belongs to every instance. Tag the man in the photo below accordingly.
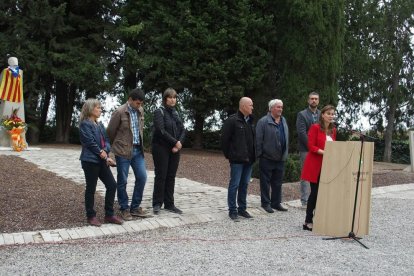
(238, 144)
(272, 138)
(304, 120)
(125, 131)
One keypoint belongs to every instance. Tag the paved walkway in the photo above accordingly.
(199, 202)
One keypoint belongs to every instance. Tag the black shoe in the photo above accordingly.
(156, 209)
(280, 208)
(308, 226)
(268, 209)
(244, 214)
(174, 210)
(233, 216)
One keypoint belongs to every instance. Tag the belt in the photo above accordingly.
(135, 145)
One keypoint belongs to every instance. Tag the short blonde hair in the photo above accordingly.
(88, 107)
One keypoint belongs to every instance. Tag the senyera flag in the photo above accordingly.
(11, 88)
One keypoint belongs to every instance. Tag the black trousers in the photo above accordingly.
(312, 202)
(165, 168)
(271, 178)
(93, 171)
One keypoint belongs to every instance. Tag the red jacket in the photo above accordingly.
(313, 162)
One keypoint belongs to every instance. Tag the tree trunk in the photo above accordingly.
(44, 108)
(390, 119)
(32, 134)
(388, 133)
(39, 125)
(130, 81)
(198, 132)
(65, 98)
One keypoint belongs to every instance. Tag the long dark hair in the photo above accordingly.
(322, 123)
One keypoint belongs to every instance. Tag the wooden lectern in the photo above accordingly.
(337, 187)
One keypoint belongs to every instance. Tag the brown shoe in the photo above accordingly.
(139, 212)
(126, 215)
(94, 221)
(113, 219)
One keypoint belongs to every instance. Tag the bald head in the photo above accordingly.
(246, 106)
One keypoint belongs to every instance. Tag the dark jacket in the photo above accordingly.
(120, 131)
(303, 122)
(168, 127)
(90, 138)
(268, 140)
(238, 139)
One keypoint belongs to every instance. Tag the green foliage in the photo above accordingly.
(305, 43)
(292, 168)
(211, 140)
(400, 151)
(308, 52)
(204, 47)
(66, 50)
(379, 65)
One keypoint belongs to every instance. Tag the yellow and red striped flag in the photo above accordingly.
(11, 88)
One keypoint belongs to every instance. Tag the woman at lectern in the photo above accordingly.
(318, 135)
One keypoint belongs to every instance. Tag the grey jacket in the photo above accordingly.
(303, 122)
(268, 141)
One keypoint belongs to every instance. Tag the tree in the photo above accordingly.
(380, 32)
(308, 55)
(66, 49)
(26, 30)
(206, 48)
(80, 56)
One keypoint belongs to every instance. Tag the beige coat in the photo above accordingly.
(120, 133)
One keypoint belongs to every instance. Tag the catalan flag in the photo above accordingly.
(11, 87)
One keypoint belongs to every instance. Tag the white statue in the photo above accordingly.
(11, 96)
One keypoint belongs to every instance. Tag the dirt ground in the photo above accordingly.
(34, 199)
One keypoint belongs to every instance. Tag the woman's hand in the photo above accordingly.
(103, 154)
(178, 145)
(321, 152)
(110, 162)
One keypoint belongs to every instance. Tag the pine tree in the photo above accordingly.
(204, 48)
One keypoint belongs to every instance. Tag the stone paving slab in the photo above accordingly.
(199, 202)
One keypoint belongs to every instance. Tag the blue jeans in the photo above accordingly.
(137, 163)
(304, 185)
(239, 179)
(271, 177)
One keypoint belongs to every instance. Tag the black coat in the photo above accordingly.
(168, 127)
(238, 139)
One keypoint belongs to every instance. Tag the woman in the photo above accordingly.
(167, 141)
(95, 162)
(318, 135)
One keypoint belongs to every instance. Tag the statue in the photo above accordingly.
(11, 98)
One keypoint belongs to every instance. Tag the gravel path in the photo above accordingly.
(266, 245)
(269, 245)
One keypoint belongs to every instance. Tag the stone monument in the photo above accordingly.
(11, 97)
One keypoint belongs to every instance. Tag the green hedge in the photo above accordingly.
(400, 151)
(211, 140)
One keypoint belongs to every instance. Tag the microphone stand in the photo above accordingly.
(351, 234)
